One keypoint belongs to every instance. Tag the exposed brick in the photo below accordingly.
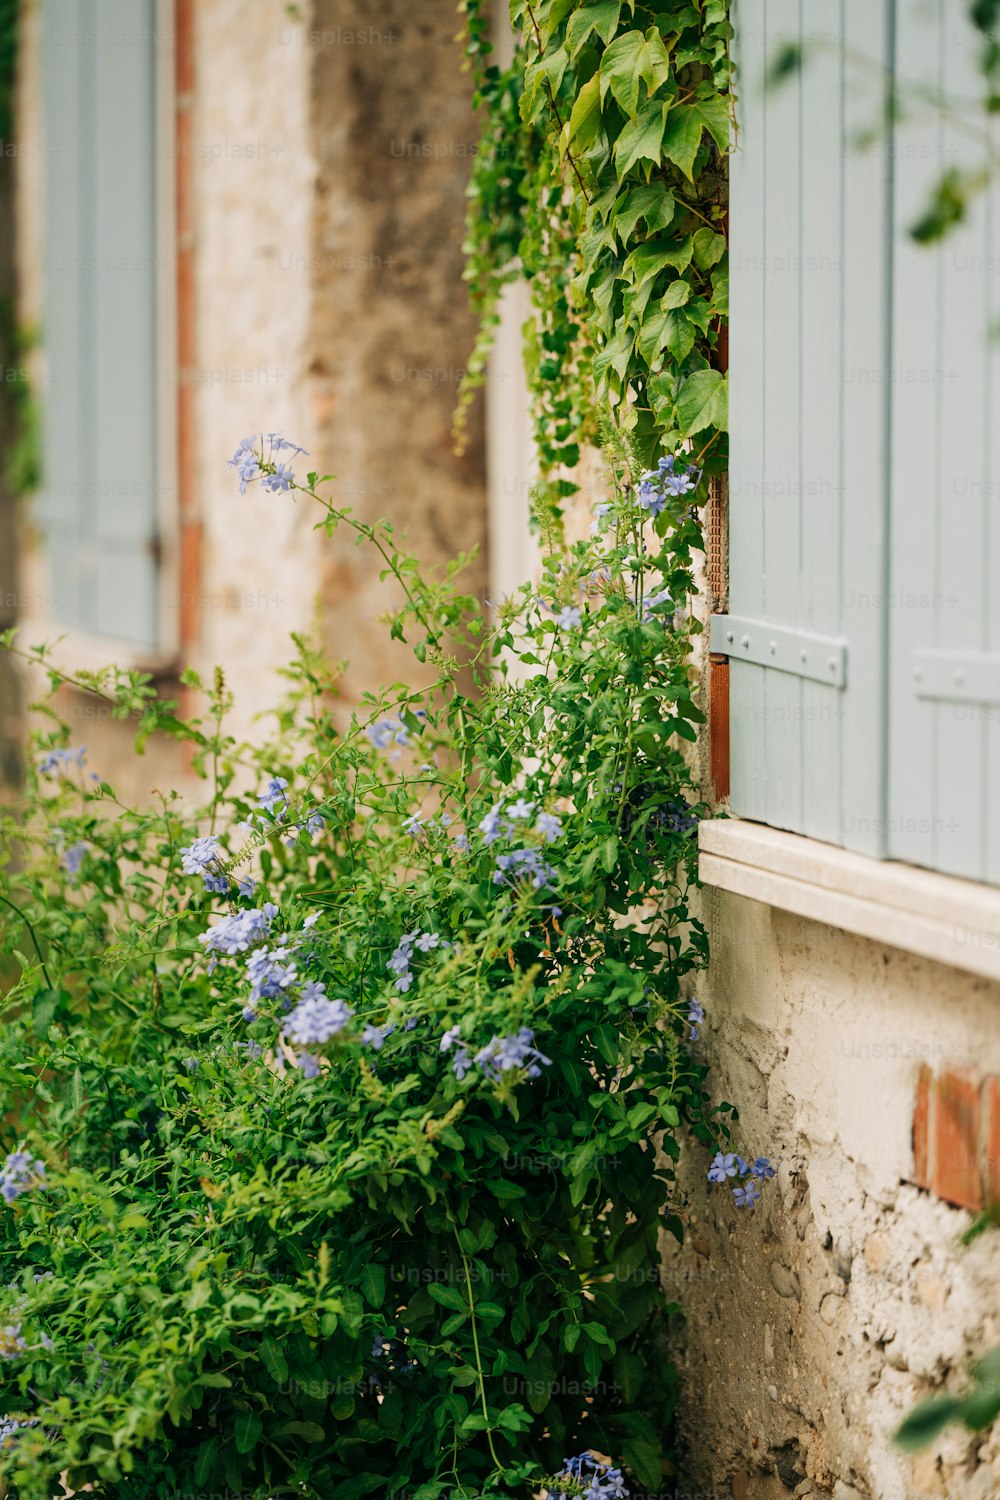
(991, 1149)
(955, 1172)
(922, 1128)
(718, 724)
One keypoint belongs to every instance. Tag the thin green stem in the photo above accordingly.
(14, 907)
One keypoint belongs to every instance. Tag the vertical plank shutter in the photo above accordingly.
(100, 481)
(810, 308)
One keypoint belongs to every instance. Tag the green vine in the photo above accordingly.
(615, 172)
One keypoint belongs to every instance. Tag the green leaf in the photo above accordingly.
(682, 137)
(311, 1431)
(621, 68)
(650, 202)
(585, 120)
(641, 138)
(679, 334)
(448, 1296)
(702, 402)
(247, 1430)
(600, 15)
(709, 248)
(926, 1421)
(273, 1359)
(677, 293)
(373, 1284)
(205, 1462)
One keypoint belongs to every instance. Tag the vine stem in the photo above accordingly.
(555, 108)
(7, 902)
(480, 1376)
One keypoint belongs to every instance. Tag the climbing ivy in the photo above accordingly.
(614, 174)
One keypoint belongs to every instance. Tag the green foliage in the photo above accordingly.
(978, 1408)
(385, 1278)
(619, 189)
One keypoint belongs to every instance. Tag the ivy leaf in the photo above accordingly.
(641, 138)
(709, 248)
(677, 293)
(585, 121)
(650, 258)
(679, 334)
(615, 355)
(621, 68)
(713, 112)
(541, 81)
(682, 138)
(650, 202)
(702, 402)
(601, 16)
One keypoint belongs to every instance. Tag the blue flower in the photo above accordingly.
(569, 617)
(746, 1196)
(549, 826)
(270, 971)
(56, 760)
(251, 462)
(245, 886)
(723, 1166)
(72, 858)
(308, 1064)
(696, 1016)
(18, 1173)
(316, 1018)
(199, 856)
(762, 1169)
(491, 828)
(315, 823)
(519, 810)
(273, 795)
(428, 940)
(585, 1476)
(504, 1053)
(239, 931)
(374, 1036)
(524, 864)
(388, 732)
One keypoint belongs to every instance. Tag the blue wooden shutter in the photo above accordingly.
(808, 481)
(100, 480)
(944, 785)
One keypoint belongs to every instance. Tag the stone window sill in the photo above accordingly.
(955, 922)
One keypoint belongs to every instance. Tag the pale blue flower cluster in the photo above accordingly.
(11, 1426)
(526, 863)
(399, 962)
(695, 1016)
(239, 931)
(502, 1054)
(252, 462)
(204, 857)
(57, 761)
(587, 1478)
(72, 858)
(316, 1018)
(729, 1165)
(20, 1172)
(387, 733)
(669, 479)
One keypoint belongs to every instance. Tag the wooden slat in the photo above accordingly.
(748, 390)
(820, 393)
(782, 354)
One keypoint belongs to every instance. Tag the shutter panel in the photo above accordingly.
(809, 270)
(100, 498)
(944, 789)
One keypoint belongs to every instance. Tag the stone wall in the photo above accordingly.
(817, 1321)
(323, 152)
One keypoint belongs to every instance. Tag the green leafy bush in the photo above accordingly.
(345, 1111)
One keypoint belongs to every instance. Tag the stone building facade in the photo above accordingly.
(311, 164)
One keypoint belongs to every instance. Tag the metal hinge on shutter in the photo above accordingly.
(821, 658)
(957, 676)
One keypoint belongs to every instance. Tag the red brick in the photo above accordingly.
(718, 724)
(991, 1153)
(922, 1128)
(955, 1173)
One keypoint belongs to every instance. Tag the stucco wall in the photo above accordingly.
(327, 154)
(815, 1322)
